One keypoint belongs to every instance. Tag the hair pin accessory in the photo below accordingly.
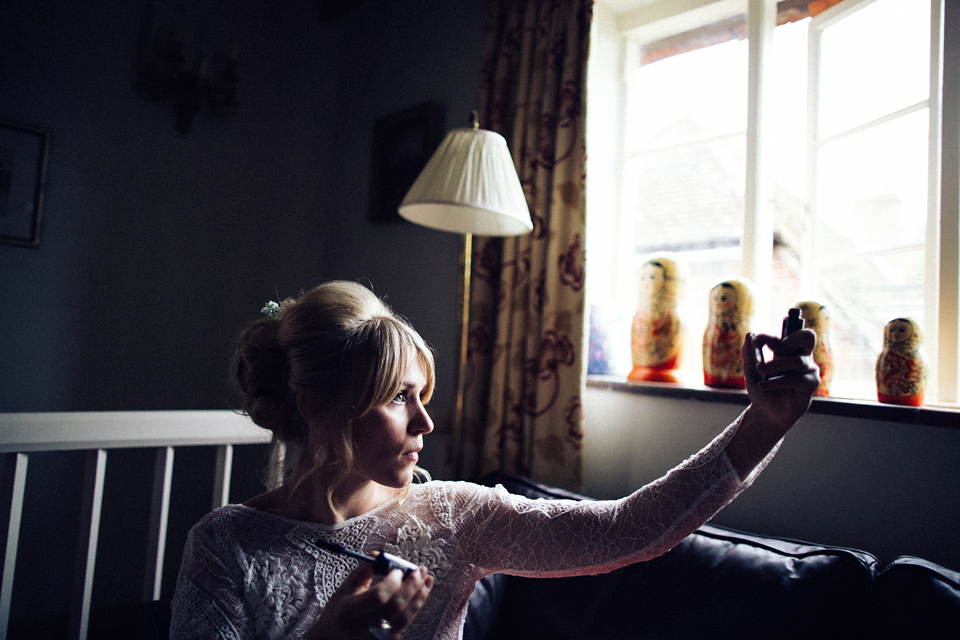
(271, 310)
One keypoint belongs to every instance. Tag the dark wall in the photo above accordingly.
(158, 247)
(401, 54)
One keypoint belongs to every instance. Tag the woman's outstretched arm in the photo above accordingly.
(505, 533)
(780, 393)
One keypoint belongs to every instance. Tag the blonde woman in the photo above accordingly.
(343, 383)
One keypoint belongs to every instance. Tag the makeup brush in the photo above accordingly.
(383, 563)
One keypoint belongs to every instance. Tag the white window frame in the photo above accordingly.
(658, 18)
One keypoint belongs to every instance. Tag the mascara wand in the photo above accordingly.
(382, 564)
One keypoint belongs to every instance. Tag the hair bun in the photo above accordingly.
(262, 372)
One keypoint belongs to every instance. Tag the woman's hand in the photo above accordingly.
(360, 605)
(780, 393)
(782, 388)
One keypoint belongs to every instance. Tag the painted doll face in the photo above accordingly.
(815, 316)
(823, 319)
(652, 278)
(723, 299)
(899, 331)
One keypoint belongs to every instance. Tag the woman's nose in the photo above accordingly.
(421, 422)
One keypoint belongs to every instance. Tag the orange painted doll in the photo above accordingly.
(731, 306)
(902, 365)
(657, 331)
(817, 317)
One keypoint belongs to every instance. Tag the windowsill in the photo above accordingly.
(931, 416)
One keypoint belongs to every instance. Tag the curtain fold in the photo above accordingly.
(523, 384)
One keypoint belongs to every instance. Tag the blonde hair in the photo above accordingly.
(346, 347)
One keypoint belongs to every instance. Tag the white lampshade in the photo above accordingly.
(469, 186)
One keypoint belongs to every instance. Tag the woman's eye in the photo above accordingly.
(400, 398)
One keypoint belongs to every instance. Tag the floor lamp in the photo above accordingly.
(469, 186)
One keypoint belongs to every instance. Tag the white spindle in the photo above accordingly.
(159, 516)
(94, 474)
(18, 471)
(221, 478)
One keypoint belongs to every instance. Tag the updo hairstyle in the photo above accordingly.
(343, 344)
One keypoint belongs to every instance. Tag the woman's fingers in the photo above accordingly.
(790, 355)
(363, 607)
(407, 601)
(783, 386)
(363, 604)
(396, 598)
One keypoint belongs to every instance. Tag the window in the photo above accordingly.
(805, 158)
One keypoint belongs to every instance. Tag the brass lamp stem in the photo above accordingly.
(466, 259)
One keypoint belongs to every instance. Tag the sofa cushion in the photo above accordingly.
(717, 583)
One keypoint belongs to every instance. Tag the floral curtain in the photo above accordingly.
(523, 384)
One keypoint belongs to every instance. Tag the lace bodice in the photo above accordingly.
(250, 574)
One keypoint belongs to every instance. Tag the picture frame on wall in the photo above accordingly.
(402, 144)
(23, 169)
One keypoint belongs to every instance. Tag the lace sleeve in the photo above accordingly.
(511, 534)
(208, 602)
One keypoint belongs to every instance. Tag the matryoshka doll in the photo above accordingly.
(902, 365)
(731, 307)
(657, 332)
(817, 317)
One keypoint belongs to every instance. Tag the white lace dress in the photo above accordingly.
(250, 574)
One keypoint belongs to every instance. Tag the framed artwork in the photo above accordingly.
(402, 144)
(23, 168)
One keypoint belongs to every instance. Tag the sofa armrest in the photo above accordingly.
(917, 598)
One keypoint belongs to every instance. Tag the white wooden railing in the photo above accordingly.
(96, 434)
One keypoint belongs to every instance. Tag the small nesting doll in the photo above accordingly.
(731, 306)
(657, 332)
(817, 317)
(902, 365)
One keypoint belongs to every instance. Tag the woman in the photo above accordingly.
(342, 382)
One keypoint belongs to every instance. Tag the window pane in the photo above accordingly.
(872, 186)
(871, 210)
(850, 236)
(684, 179)
(689, 197)
(874, 62)
(863, 294)
(692, 96)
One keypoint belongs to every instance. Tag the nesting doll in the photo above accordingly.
(902, 365)
(731, 306)
(657, 332)
(817, 317)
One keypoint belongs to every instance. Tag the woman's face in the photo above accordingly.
(387, 439)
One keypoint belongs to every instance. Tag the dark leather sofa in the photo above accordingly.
(718, 584)
(723, 584)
